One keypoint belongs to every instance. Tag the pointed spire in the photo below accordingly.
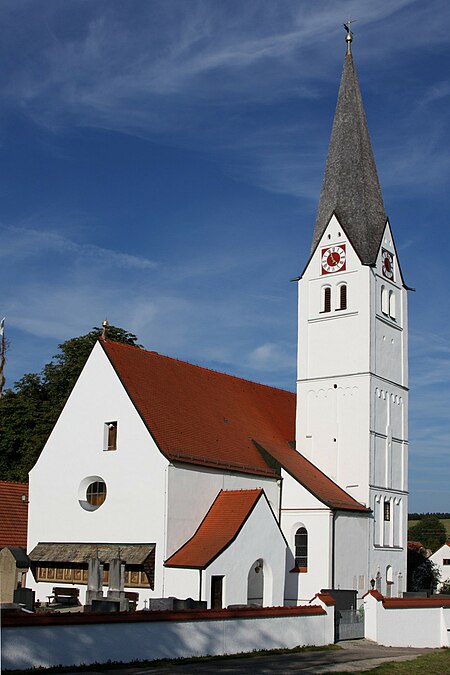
(350, 186)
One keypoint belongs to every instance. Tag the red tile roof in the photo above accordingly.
(13, 514)
(204, 417)
(308, 475)
(200, 416)
(218, 529)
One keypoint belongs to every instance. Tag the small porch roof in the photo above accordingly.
(77, 553)
(218, 529)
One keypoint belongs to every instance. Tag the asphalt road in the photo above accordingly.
(356, 656)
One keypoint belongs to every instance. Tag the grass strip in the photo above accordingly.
(112, 665)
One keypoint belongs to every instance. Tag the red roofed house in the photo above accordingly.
(13, 537)
(214, 487)
(13, 514)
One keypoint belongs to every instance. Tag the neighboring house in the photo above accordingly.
(214, 487)
(441, 558)
(13, 538)
(13, 514)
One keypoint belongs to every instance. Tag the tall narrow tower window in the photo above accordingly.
(384, 300)
(342, 296)
(392, 304)
(326, 307)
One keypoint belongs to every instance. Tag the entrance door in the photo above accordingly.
(216, 592)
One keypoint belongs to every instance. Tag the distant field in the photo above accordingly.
(445, 521)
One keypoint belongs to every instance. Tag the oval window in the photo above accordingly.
(96, 493)
(92, 493)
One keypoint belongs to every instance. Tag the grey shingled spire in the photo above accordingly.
(350, 187)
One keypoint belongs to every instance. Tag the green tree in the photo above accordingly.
(29, 410)
(445, 587)
(429, 531)
(426, 577)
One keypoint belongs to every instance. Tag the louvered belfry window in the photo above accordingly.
(343, 296)
(327, 299)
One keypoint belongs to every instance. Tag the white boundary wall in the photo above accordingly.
(407, 622)
(71, 642)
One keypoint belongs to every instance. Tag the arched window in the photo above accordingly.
(389, 581)
(392, 304)
(301, 548)
(326, 299)
(343, 296)
(384, 300)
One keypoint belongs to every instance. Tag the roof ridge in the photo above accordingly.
(238, 490)
(196, 365)
(13, 482)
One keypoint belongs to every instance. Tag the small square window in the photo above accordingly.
(446, 561)
(110, 436)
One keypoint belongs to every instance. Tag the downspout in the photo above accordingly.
(280, 499)
(166, 524)
(200, 584)
(333, 547)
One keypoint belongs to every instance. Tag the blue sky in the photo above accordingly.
(161, 163)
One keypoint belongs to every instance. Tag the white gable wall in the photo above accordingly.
(259, 539)
(135, 473)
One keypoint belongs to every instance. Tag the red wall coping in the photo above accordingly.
(18, 618)
(375, 594)
(326, 598)
(404, 603)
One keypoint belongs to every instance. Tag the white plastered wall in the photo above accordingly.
(351, 534)
(302, 509)
(333, 402)
(259, 539)
(191, 492)
(135, 474)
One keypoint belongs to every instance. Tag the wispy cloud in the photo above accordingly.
(25, 243)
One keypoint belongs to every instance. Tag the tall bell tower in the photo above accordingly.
(352, 382)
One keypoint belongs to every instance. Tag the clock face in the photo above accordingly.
(387, 264)
(333, 259)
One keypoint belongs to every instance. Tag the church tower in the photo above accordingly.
(352, 382)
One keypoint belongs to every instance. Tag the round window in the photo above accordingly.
(96, 493)
(92, 493)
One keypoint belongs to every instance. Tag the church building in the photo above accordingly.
(213, 487)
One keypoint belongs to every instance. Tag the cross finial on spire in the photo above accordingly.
(105, 326)
(349, 37)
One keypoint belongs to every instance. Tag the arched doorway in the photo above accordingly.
(255, 584)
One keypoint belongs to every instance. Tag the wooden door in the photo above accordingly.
(216, 592)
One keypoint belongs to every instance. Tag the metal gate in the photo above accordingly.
(349, 624)
(348, 621)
